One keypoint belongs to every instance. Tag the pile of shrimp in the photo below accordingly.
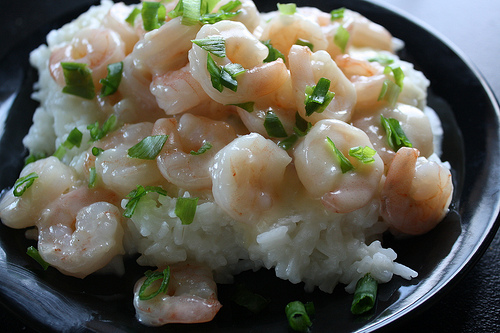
(166, 89)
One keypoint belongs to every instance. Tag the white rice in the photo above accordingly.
(309, 244)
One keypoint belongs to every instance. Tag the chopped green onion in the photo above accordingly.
(364, 154)
(273, 54)
(297, 316)
(248, 106)
(214, 44)
(273, 125)
(23, 183)
(287, 8)
(230, 6)
(341, 38)
(215, 73)
(153, 15)
(92, 177)
(302, 126)
(97, 133)
(389, 92)
(132, 16)
(152, 277)
(191, 11)
(33, 253)
(177, 11)
(136, 195)
(233, 69)
(96, 151)
(78, 79)
(74, 139)
(112, 81)
(34, 157)
(250, 300)
(288, 142)
(148, 148)
(398, 73)
(206, 146)
(382, 59)
(225, 12)
(337, 14)
(318, 97)
(185, 209)
(364, 295)
(396, 137)
(224, 76)
(345, 164)
(303, 42)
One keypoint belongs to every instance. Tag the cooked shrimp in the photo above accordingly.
(306, 69)
(414, 123)
(54, 179)
(166, 48)
(191, 297)
(254, 121)
(366, 33)
(353, 67)
(81, 231)
(176, 162)
(115, 20)
(115, 169)
(242, 48)
(320, 172)
(95, 47)
(285, 30)
(177, 91)
(416, 194)
(246, 175)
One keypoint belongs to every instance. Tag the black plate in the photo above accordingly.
(49, 301)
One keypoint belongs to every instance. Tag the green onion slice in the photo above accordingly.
(273, 125)
(303, 42)
(92, 177)
(287, 8)
(341, 38)
(224, 76)
(34, 157)
(214, 44)
(78, 79)
(206, 146)
(148, 148)
(225, 12)
(136, 195)
(398, 75)
(289, 142)
(23, 183)
(191, 11)
(112, 81)
(248, 106)
(152, 277)
(185, 209)
(96, 151)
(97, 133)
(250, 300)
(273, 54)
(364, 295)
(318, 97)
(153, 15)
(382, 59)
(297, 316)
(337, 14)
(215, 73)
(345, 164)
(132, 16)
(396, 137)
(364, 154)
(74, 139)
(33, 253)
(302, 126)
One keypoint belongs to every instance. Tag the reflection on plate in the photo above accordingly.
(50, 301)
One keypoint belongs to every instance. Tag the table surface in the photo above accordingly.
(473, 304)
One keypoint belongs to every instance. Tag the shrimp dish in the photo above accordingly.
(208, 140)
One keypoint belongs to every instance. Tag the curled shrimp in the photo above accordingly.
(416, 193)
(81, 231)
(95, 47)
(54, 179)
(306, 69)
(285, 30)
(177, 91)
(366, 33)
(191, 297)
(320, 171)
(413, 121)
(242, 48)
(246, 176)
(115, 169)
(175, 161)
(115, 20)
